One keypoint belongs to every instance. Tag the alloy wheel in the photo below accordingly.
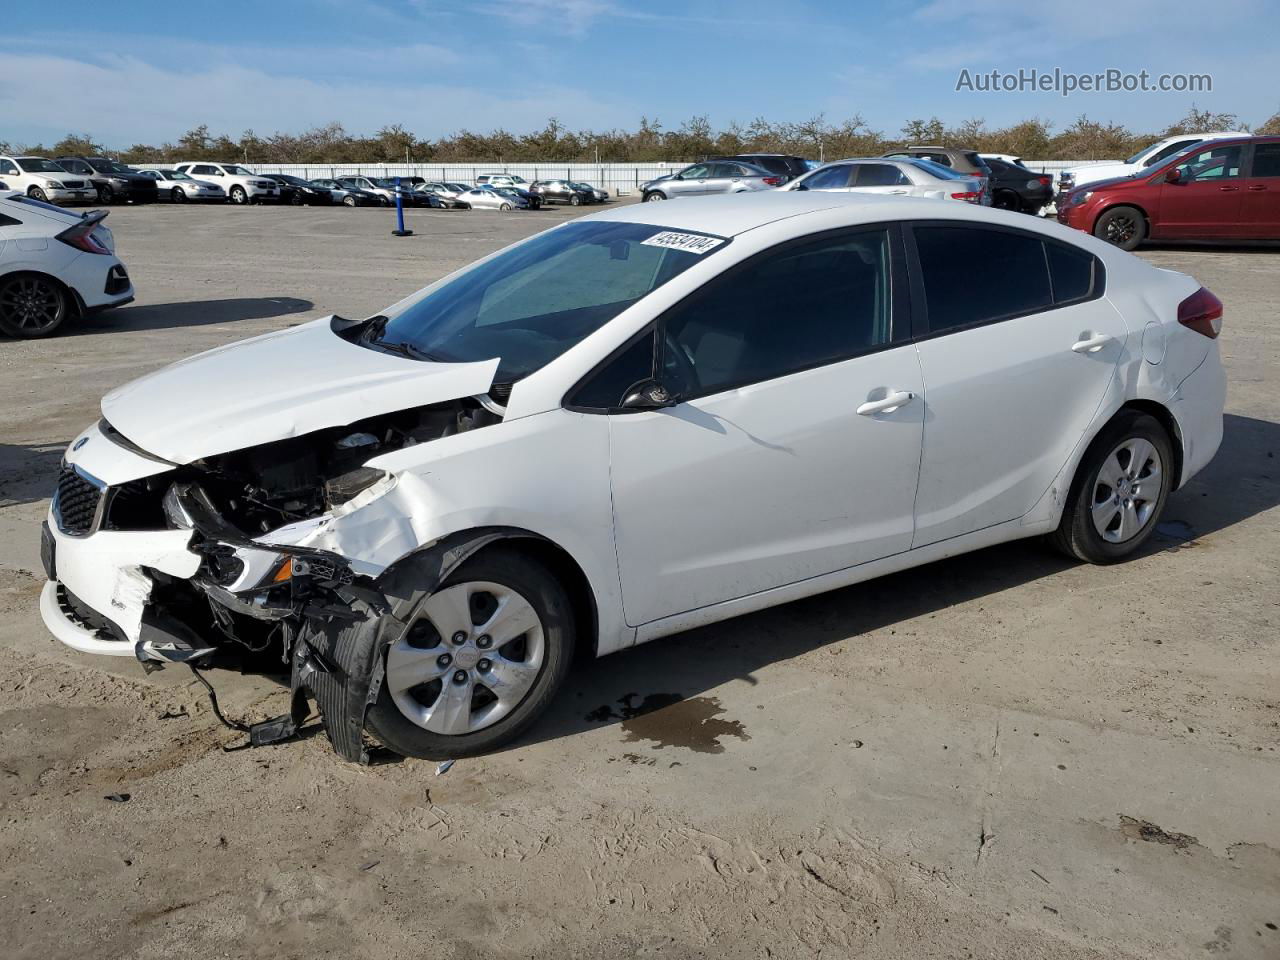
(470, 658)
(1127, 490)
(31, 306)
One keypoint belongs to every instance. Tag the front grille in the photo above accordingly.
(75, 503)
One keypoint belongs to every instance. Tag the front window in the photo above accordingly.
(530, 304)
(38, 165)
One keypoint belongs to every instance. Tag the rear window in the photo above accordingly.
(1036, 275)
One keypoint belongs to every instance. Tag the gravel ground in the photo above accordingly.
(1005, 755)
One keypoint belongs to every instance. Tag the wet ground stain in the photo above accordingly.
(669, 720)
(1136, 829)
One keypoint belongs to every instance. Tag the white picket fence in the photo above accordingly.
(620, 179)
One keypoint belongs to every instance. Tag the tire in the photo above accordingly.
(348, 201)
(177, 195)
(32, 306)
(553, 638)
(652, 196)
(35, 193)
(1124, 227)
(106, 194)
(1006, 200)
(238, 196)
(1104, 498)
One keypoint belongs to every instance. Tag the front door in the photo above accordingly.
(1207, 198)
(1015, 371)
(1262, 193)
(794, 447)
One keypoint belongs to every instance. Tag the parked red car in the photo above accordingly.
(1217, 190)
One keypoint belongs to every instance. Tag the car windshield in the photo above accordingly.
(935, 169)
(530, 304)
(38, 165)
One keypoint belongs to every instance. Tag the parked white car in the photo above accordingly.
(54, 265)
(182, 187)
(43, 179)
(908, 177)
(1146, 157)
(242, 184)
(502, 180)
(730, 404)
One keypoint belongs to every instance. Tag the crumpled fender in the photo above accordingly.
(338, 663)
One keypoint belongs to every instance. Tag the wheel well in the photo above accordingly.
(77, 304)
(1121, 206)
(1162, 414)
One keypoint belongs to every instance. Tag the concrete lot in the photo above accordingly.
(1005, 755)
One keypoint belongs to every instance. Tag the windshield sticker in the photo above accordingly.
(688, 242)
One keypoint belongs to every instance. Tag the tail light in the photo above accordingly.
(1201, 312)
(81, 237)
(969, 196)
(772, 181)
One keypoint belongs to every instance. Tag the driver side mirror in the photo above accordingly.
(647, 395)
(1173, 176)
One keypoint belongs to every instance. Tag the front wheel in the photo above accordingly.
(239, 196)
(1125, 227)
(481, 659)
(1119, 492)
(32, 306)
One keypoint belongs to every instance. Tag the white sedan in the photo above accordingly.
(632, 424)
(905, 177)
(182, 187)
(54, 265)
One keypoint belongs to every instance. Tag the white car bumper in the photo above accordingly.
(98, 587)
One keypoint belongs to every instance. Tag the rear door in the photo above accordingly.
(1261, 209)
(881, 178)
(1208, 198)
(1014, 369)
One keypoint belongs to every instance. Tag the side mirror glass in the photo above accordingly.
(1173, 176)
(647, 395)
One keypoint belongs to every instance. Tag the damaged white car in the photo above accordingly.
(634, 423)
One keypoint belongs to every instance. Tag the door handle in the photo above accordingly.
(889, 404)
(1258, 186)
(1092, 344)
(1225, 189)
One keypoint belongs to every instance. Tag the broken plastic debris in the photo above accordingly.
(444, 767)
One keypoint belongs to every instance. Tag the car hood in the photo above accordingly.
(279, 385)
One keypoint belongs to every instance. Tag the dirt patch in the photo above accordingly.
(1135, 829)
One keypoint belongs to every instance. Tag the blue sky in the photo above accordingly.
(145, 70)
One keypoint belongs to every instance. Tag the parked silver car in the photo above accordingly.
(489, 198)
(712, 176)
(180, 187)
(907, 178)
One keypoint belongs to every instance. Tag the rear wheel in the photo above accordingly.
(1119, 491)
(32, 306)
(238, 195)
(1125, 227)
(481, 659)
